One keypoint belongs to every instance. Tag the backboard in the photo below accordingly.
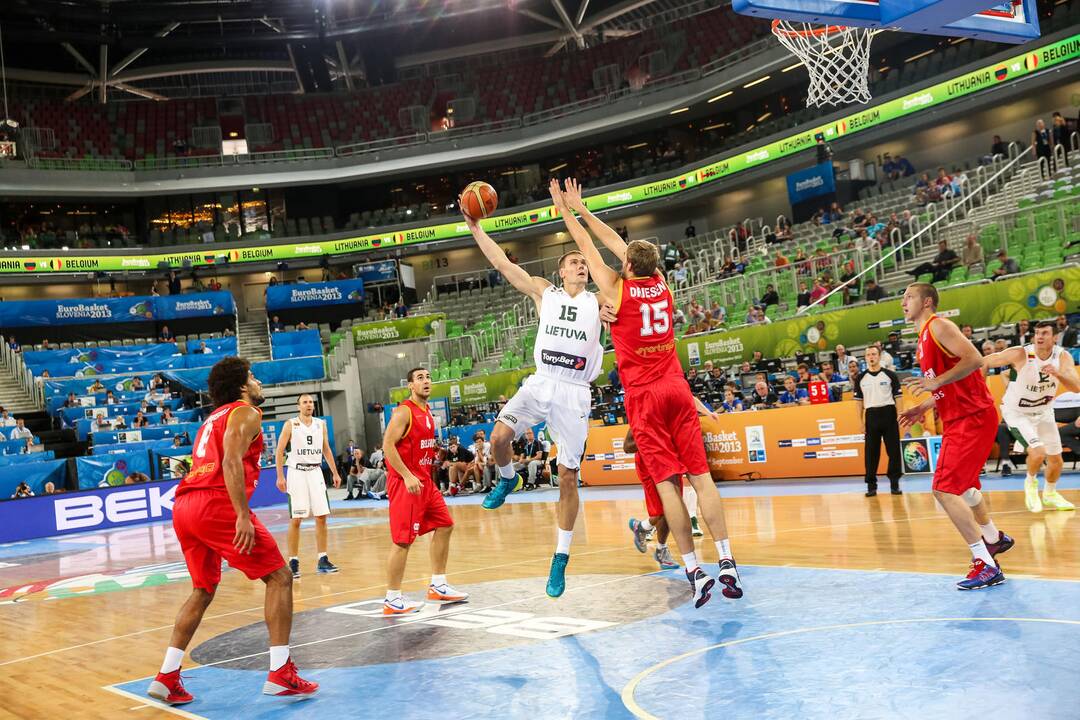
(1006, 22)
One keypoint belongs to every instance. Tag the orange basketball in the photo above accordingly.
(479, 200)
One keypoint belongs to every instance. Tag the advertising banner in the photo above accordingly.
(105, 508)
(189, 305)
(811, 183)
(387, 331)
(299, 343)
(113, 470)
(473, 389)
(377, 272)
(300, 295)
(989, 76)
(34, 358)
(88, 311)
(35, 474)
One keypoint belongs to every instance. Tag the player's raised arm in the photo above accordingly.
(532, 286)
(606, 234)
(606, 279)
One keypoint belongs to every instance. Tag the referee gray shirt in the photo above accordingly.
(877, 389)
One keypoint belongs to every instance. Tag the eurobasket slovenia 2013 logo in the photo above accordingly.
(1035, 298)
(916, 457)
(355, 295)
(142, 309)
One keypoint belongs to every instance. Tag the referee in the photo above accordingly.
(876, 391)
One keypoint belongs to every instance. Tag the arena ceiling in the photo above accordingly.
(126, 47)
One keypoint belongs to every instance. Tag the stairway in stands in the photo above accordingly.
(253, 341)
(12, 395)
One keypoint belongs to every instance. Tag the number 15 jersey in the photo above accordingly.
(643, 334)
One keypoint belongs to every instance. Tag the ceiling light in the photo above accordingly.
(680, 110)
(722, 96)
(791, 67)
(765, 117)
(913, 58)
(635, 147)
(558, 167)
(757, 82)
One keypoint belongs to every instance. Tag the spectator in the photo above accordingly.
(5, 419)
(14, 345)
(120, 423)
(110, 398)
(1067, 335)
(874, 292)
(276, 325)
(718, 313)
(1041, 140)
(458, 464)
(180, 147)
(942, 264)
(1059, 133)
(852, 368)
(140, 420)
(137, 383)
(730, 402)
(973, 253)
(691, 231)
(803, 371)
(96, 387)
(228, 332)
(613, 377)
(22, 490)
(678, 317)
(155, 382)
(530, 458)
(771, 297)
(71, 401)
(679, 274)
(673, 255)
(167, 417)
(890, 167)
(178, 441)
(968, 332)
(781, 259)
(727, 268)
(906, 168)
(1009, 266)
(484, 463)
(362, 473)
(174, 283)
(166, 335)
(943, 181)
(1023, 332)
(401, 310)
(793, 395)
(998, 147)
(50, 488)
(153, 290)
(803, 298)
(20, 431)
(302, 325)
(818, 292)
(762, 398)
(887, 360)
(828, 373)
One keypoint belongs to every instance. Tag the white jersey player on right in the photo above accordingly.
(568, 357)
(1036, 371)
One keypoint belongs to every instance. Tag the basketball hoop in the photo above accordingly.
(836, 57)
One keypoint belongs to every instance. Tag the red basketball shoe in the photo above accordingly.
(285, 681)
(169, 689)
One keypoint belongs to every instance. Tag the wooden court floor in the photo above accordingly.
(58, 651)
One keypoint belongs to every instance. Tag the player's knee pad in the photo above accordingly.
(972, 497)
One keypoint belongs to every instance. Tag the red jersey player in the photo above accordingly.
(949, 362)
(416, 505)
(213, 521)
(655, 509)
(662, 411)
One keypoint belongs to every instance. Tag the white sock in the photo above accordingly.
(989, 532)
(646, 525)
(279, 655)
(322, 555)
(689, 561)
(979, 552)
(1032, 478)
(294, 558)
(392, 595)
(661, 546)
(1050, 487)
(723, 548)
(562, 545)
(438, 580)
(690, 498)
(506, 471)
(173, 658)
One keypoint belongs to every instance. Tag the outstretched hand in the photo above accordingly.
(557, 195)
(469, 222)
(572, 194)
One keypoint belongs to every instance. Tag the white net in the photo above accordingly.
(837, 59)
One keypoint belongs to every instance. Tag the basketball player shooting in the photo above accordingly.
(568, 357)
(309, 445)
(213, 521)
(662, 411)
(949, 363)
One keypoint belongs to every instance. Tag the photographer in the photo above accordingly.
(22, 490)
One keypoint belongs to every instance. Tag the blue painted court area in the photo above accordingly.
(803, 643)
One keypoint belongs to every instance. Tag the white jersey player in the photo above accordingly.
(568, 357)
(306, 437)
(1036, 372)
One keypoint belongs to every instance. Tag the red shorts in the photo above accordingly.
(666, 428)
(653, 505)
(966, 443)
(414, 515)
(205, 525)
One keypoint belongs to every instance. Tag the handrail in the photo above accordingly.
(473, 130)
(916, 236)
(370, 146)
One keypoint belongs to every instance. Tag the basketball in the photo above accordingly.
(479, 200)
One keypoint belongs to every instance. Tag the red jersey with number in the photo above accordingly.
(958, 399)
(417, 446)
(643, 333)
(209, 451)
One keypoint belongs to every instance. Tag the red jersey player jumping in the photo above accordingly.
(213, 521)
(662, 411)
(950, 365)
(416, 505)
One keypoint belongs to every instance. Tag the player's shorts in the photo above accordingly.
(966, 443)
(1034, 430)
(653, 504)
(565, 406)
(307, 493)
(205, 525)
(666, 428)
(414, 515)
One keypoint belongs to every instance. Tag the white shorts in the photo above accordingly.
(307, 493)
(1034, 431)
(564, 406)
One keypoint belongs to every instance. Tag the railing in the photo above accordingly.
(917, 238)
(17, 370)
(487, 128)
(295, 155)
(81, 164)
(372, 146)
(1006, 221)
(338, 359)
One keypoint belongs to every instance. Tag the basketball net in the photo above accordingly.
(836, 57)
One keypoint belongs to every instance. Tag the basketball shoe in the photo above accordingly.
(1031, 495)
(294, 565)
(498, 494)
(640, 535)
(702, 586)
(662, 555)
(981, 576)
(285, 681)
(694, 529)
(1001, 545)
(445, 593)
(1052, 500)
(169, 689)
(556, 584)
(400, 606)
(729, 578)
